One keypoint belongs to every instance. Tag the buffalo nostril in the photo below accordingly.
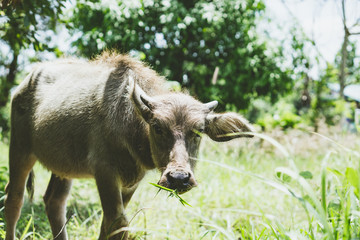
(178, 179)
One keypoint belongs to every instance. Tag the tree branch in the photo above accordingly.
(343, 12)
(312, 39)
(357, 23)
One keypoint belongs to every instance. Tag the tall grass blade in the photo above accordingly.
(26, 233)
(323, 181)
(318, 209)
(356, 153)
(207, 222)
(262, 136)
(276, 185)
(246, 212)
(346, 233)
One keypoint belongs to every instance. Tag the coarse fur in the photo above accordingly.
(110, 119)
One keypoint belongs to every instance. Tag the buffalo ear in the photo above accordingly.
(144, 104)
(223, 127)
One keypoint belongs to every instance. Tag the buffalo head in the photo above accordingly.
(175, 123)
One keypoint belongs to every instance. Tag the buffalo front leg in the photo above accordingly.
(55, 201)
(20, 165)
(127, 193)
(114, 218)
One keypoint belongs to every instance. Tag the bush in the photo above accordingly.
(282, 114)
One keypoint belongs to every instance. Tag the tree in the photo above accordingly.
(302, 63)
(187, 41)
(23, 26)
(348, 31)
(351, 66)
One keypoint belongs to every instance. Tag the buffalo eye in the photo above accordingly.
(157, 129)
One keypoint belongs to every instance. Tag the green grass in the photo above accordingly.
(301, 186)
(172, 193)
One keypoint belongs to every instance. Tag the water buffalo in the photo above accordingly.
(111, 119)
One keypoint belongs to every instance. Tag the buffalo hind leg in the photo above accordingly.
(20, 165)
(112, 204)
(55, 202)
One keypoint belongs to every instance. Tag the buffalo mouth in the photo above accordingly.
(178, 190)
(180, 181)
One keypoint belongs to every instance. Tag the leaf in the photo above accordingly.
(352, 176)
(306, 174)
(335, 172)
(26, 21)
(283, 177)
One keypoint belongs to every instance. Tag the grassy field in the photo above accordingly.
(301, 186)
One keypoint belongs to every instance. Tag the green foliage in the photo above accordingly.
(186, 41)
(325, 106)
(282, 114)
(23, 21)
(23, 25)
(331, 73)
(352, 64)
(3, 179)
(289, 112)
(4, 122)
(300, 48)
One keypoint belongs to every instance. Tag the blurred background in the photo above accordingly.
(292, 67)
(281, 63)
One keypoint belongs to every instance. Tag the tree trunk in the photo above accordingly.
(305, 95)
(344, 56)
(344, 52)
